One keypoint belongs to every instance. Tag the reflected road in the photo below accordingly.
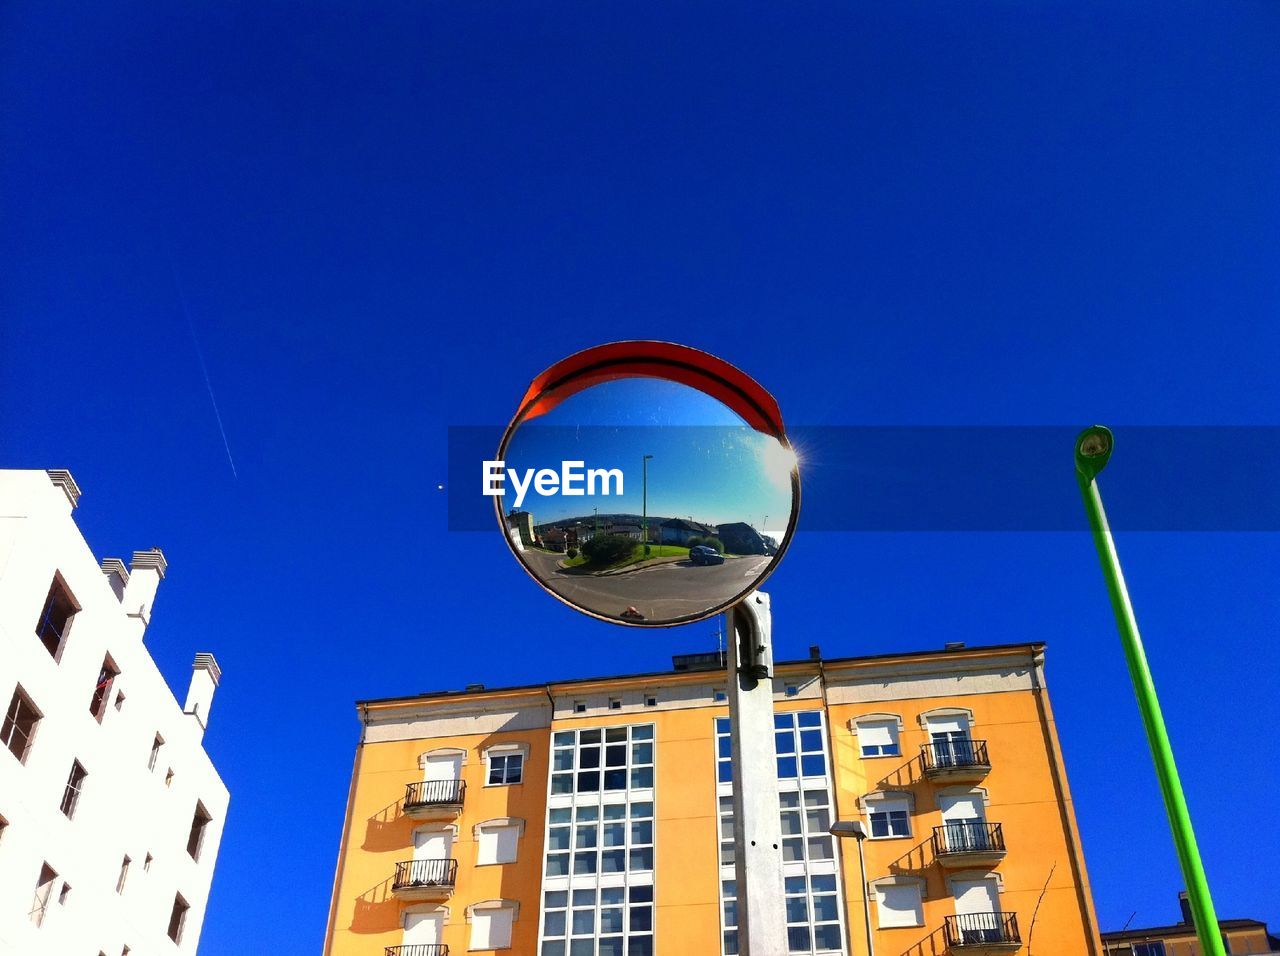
(661, 592)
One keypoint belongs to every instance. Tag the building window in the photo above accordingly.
(124, 874)
(178, 918)
(602, 759)
(55, 620)
(1152, 948)
(44, 892)
(800, 746)
(792, 690)
(199, 823)
(878, 736)
(599, 863)
(899, 901)
(71, 793)
(811, 879)
(579, 706)
(155, 752)
(491, 924)
(102, 692)
(719, 696)
(20, 722)
(615, 703)
(505, 768)
(798, 742)
(889, 815)
(608, 920)
(497, 841)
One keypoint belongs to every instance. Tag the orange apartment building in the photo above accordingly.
(593, 817)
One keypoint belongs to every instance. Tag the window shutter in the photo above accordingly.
(876, 733)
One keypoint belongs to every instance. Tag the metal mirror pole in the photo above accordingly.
(757, 827)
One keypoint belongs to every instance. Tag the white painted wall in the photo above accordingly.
(124, 808)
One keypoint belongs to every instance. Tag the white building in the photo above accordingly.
(110, 810)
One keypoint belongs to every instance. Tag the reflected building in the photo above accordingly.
(739, 537)
(680, 530)
(593, 817)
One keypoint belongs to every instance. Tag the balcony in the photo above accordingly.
(425, 879)
(434, 799)
(982, 933)
(418, 949)
(968, 843)
(955, 760)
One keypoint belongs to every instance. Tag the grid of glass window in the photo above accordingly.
(598, 871)
(602, 759)
(808, 850)
(798, 740)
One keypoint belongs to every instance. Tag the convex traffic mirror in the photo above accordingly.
(646, 483)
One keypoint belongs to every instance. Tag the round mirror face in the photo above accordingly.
(645, 501)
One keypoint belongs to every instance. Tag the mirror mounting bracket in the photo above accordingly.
(752, 626)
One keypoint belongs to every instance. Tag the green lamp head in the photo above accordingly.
(1093, 450)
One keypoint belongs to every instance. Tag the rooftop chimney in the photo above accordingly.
(1184, 904)
(146, 572)
(953, 646)
(117, 575)
(205, 674)
(815, 652)
(62, 480)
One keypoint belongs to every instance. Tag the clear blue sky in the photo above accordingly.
(386, 217)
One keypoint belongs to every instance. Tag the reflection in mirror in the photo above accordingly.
(645, 501)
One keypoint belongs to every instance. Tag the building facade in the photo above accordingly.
(110, 810)
(594, 817)
(1248, 936)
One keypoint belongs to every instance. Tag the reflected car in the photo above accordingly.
(701, 554)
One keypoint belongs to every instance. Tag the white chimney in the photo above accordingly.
(63, 481)
(205, 674)
(146, 571)
(117, 576)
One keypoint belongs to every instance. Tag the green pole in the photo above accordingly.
(1093, 449)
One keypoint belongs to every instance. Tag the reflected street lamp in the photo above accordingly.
(644, 503)
(854, 828)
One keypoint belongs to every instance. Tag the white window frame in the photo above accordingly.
(498, 823)
(520, 750)
(485, 908)
(872, 803)
(877, 887)
(896, 732)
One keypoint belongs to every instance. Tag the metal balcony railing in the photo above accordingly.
(958, 754)
(414, 873)
(434, 793)
(968, 836)
(418, 949)
(981, 929)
